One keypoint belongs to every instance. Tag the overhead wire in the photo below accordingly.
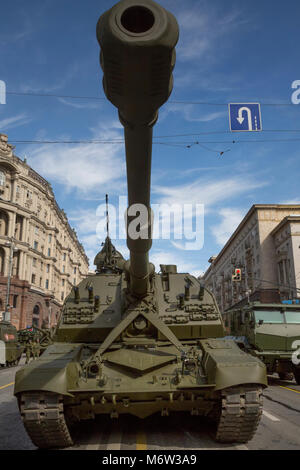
(172, 144)
(54, 95)
(186, 143)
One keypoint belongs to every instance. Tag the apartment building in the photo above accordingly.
(37, 245)
(266, 248)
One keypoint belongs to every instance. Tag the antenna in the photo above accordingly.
(107, 218)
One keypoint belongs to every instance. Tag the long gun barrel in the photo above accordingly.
(137, 40)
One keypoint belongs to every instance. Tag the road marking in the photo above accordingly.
(141, 441)
(7, 385)
(271, 417)
(291, 389)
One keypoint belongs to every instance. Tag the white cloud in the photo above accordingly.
(17, 34)
(230, 220)
(79, 105)
(202, 30)
(209, 193)
(291, 201)
(15, 121)
(190, 112)
(83, 167)
(84, 220)
(59, 83)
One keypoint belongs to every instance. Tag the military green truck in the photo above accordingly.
(269, 332)
(10, 348)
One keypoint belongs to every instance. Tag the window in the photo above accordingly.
(292, 316)
(50, 238)
(48, 268)
(269, 316)
(41, 282)
(29, 194)
(74, 281)
(35, 245)
(63, 282)
(64, 257)
(33, 279)
(36, 230)
(2, 178)
(34, 262)
(18, 189)
(62, 296)
(49, 252)
(47, 284)
(15, 301)
(74, 270)
(63, 269)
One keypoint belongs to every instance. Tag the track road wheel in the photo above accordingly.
(44, 420)
(238, 414)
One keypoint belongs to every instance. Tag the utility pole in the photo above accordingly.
(11, 254)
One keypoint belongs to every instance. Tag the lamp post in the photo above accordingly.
(12, 250)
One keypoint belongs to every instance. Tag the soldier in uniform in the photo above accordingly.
(28, 351)
(35, 349)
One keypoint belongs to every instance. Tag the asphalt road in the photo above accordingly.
(279, 428)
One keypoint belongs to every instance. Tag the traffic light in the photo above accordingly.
(237, 276)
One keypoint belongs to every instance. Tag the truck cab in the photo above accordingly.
(271, 332)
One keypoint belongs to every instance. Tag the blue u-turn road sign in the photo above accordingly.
(244, 117)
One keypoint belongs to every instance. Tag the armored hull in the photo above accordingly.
(154, 357)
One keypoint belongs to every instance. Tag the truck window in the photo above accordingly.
(292, 316)
(269, 316)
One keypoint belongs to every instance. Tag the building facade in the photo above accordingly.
(37, 245)
(266, 248)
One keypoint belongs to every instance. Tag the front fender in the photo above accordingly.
(56, 370)
(226, 365)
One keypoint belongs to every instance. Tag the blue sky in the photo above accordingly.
(228, 51)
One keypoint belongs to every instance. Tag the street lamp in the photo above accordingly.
(12, 250)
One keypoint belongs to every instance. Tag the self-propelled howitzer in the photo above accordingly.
(131, 340)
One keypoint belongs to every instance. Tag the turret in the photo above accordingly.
(137, 40)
